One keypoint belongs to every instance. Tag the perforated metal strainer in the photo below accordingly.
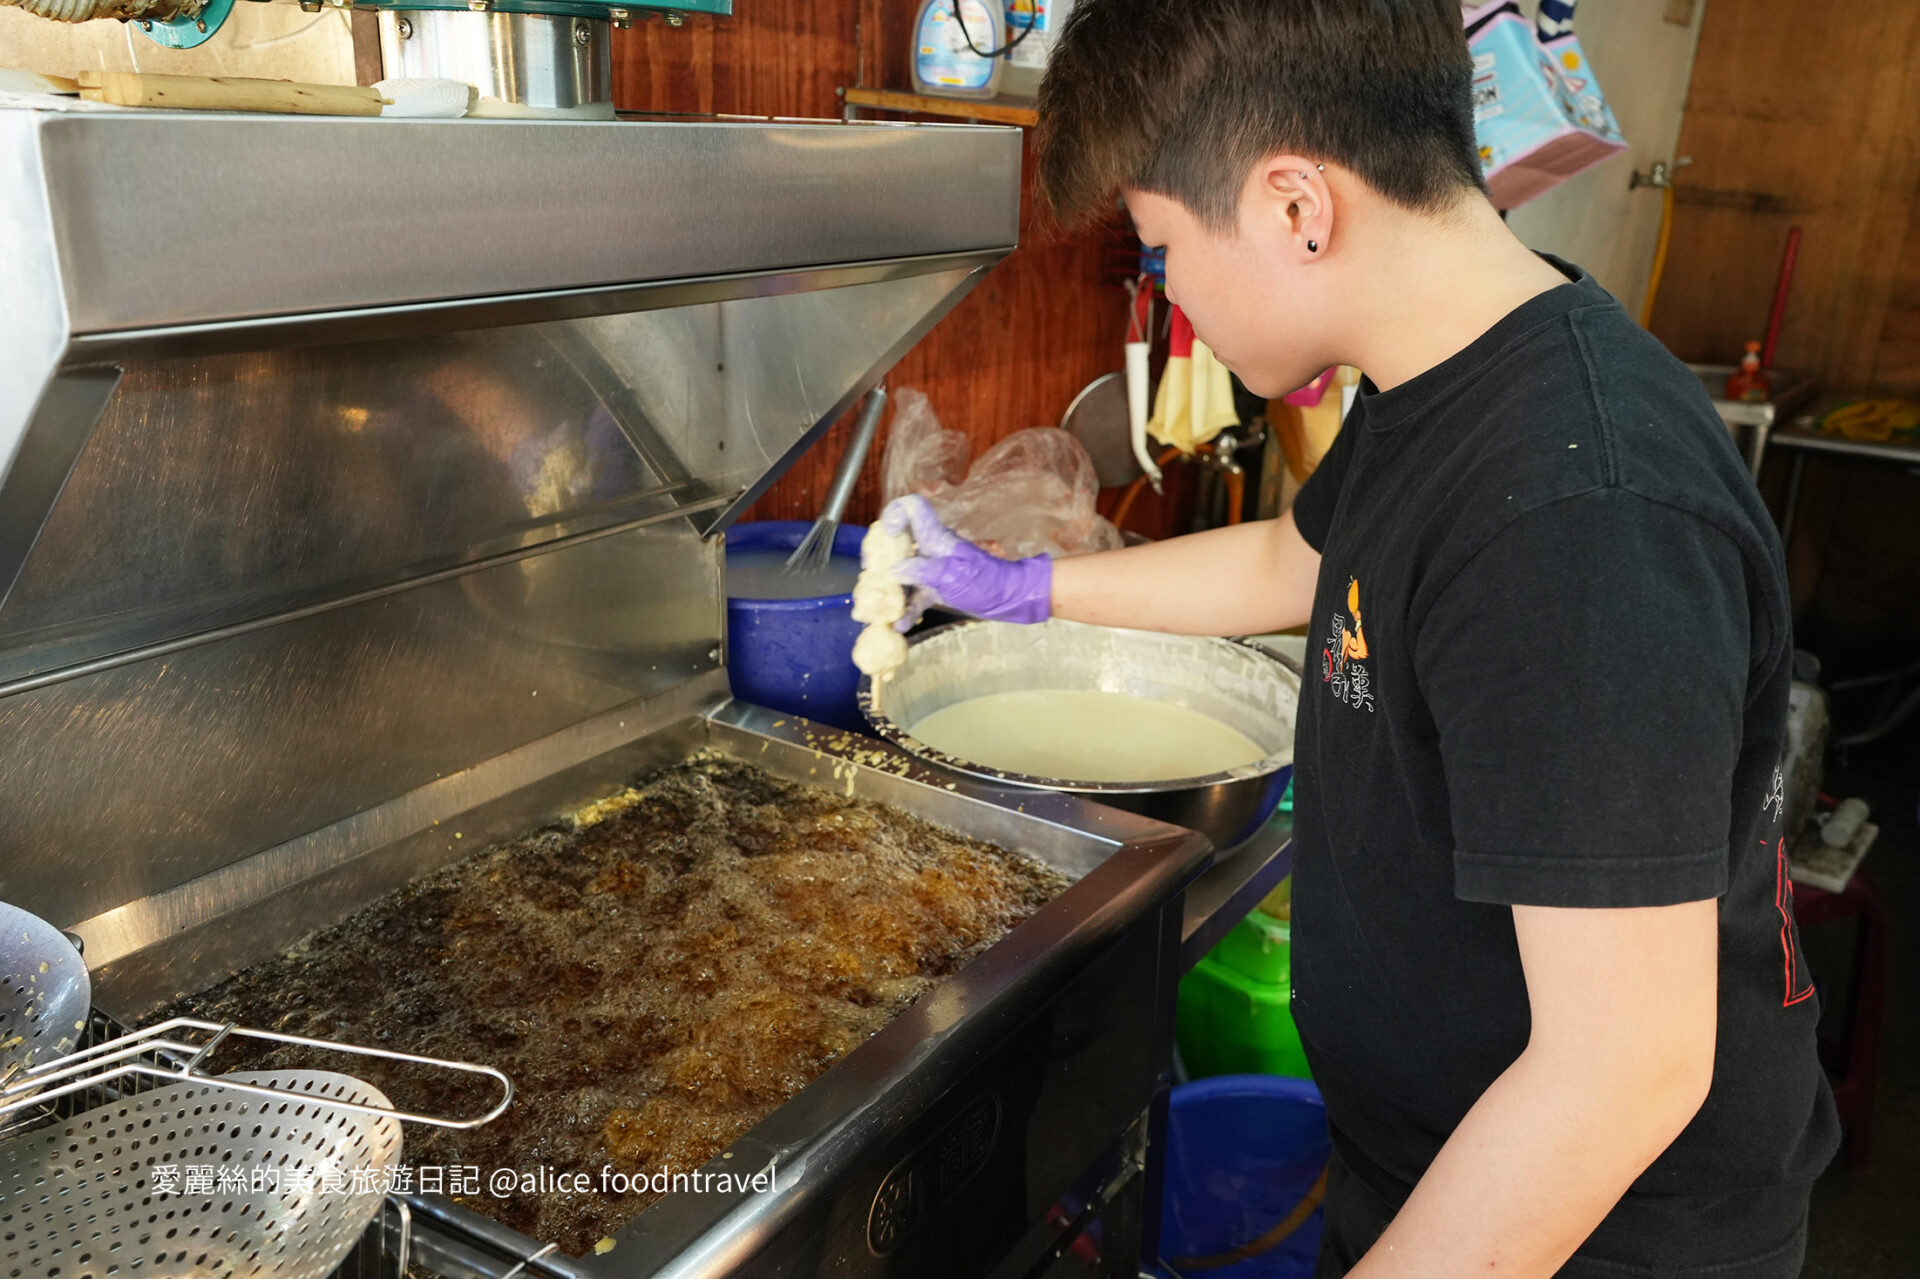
(197, 1180)
(44, 992)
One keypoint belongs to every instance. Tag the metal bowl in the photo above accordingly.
(1240, 684)
(46, 994)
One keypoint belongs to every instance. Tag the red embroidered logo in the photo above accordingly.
(1798, 984)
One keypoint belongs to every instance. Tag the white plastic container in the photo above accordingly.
(944, 61)
(1027, 61)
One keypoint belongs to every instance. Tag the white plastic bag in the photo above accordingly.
(1033, 492)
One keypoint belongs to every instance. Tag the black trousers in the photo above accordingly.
(1356, 1217)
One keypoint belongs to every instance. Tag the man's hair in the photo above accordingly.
(1184, 97)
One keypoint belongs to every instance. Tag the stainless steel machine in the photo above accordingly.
(387, 522)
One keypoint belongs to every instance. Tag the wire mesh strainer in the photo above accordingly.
(197, 1180)
(44, 992)
(179, 1047)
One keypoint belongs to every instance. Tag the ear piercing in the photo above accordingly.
(1312, 245)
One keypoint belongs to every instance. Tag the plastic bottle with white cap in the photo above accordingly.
(949, 38)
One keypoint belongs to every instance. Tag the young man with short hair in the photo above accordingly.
(1544, 961)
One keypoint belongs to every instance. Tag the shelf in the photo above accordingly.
(994, 110)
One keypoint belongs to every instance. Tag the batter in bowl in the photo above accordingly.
(1081, 735)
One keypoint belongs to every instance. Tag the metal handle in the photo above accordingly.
(124, 1056)
(1137, 412)
(863, 433)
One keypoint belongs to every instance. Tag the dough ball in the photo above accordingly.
(879, 651)
(877, 599)
(881, 550)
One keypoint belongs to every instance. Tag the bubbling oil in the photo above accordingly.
(654, 985)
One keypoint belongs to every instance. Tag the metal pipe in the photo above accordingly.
(537, 61)
(1659, 256)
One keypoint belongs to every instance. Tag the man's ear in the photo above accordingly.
(1288, 197)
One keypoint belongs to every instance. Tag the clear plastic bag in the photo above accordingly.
(1033, 492)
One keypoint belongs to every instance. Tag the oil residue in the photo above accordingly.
(654, 984)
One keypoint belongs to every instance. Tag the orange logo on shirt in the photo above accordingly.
(1341, 660)
(1354, 643)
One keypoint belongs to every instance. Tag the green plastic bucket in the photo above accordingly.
(1259, 949)
(1233, 1015)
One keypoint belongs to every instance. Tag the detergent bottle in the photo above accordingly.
(1033, 27)
(949, 39)
(1749, 382)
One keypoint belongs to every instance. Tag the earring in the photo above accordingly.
(1321, 167)
(1312, 247)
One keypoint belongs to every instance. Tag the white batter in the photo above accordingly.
(1083, 736)
(754, 573)
(879, 601)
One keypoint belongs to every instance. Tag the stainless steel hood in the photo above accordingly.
(341, 456)
(140, 236)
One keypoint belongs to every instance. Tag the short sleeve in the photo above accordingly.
(1314, 504)
(1587, 673)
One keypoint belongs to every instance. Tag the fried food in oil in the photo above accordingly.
(654, 984)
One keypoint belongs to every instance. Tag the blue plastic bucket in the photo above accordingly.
(1242, 1152)
(795, 655)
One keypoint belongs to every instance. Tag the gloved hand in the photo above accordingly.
(952, 572)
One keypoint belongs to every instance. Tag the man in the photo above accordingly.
(1544, 963)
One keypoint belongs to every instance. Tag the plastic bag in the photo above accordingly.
(1033, 492)
(1537, 108)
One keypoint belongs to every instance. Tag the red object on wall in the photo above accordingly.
(1780, 289)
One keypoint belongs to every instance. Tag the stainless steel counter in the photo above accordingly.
(1753, 423)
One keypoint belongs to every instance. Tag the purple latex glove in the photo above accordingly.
(952, 572)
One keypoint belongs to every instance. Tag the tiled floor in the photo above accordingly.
(1866, 1225)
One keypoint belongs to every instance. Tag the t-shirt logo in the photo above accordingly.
(1343, 660)
(1776, 796)
(1797, 985)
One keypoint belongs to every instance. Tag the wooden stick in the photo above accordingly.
(12, 81)
(226, 93)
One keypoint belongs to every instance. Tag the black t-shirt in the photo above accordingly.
(1548, 665)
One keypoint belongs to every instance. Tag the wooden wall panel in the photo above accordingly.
(1012, 355)
(1897, 362)
(1015, 351)
(1801, 113)
(774, 57)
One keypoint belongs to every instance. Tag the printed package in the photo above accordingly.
(1537, 107)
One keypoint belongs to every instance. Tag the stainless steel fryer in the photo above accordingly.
(361, 485)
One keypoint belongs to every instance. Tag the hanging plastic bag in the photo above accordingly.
(1537, 108)
(1195, 400)
(1032, 492)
